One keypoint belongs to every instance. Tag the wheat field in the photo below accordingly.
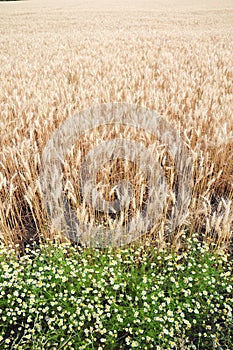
(60, 57)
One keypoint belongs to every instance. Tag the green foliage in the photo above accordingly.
(59, 297)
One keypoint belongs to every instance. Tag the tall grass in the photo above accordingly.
(55, 63)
